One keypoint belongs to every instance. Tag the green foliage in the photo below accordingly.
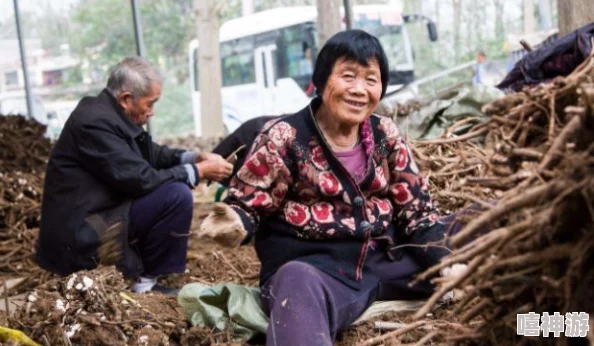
(53, 28)
(230, 10)
(103, 30)
(72, 76)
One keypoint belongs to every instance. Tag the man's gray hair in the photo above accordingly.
(135, 75)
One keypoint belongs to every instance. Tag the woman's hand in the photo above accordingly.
(224, 226)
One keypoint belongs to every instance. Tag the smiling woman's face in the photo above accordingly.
(352, 91)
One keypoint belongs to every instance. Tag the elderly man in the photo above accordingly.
(112, 195)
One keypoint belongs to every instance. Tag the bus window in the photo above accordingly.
(396, 44)
(237, 62)
(294, 58)
(392, 40)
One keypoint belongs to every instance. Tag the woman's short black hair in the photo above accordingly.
(355, 45)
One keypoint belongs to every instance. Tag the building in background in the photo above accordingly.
(45, 71)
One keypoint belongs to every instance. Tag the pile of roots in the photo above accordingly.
(95, 308)
(23, 156)
(533, 178)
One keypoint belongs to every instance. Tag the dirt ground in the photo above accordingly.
(538, 256)
(96, 308)
(210, 263)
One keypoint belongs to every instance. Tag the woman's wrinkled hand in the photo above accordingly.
(216, 170)
(223, 226)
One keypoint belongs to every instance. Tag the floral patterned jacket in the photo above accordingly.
(299, 201)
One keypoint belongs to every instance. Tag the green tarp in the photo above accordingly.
(224, 306)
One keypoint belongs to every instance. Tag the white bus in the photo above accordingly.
(267, 59)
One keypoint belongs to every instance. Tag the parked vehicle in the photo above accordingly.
(267, 59)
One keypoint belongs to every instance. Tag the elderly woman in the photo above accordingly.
(326, 192)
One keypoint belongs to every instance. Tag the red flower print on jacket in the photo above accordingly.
(279, 192)
(329, 184)
(260, 167)
(260, 200)
(318, 158)
(322, 212)
(379, 181)
(400, 157)
(370, 216)
(349, 223)
(281, 133)
(402, 193)
(384, 207)
(297, 214)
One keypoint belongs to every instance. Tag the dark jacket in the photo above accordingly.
(558, 58)
(99, 165)
(300, 203)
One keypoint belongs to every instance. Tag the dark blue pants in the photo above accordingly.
(308, 307)
(159, 227)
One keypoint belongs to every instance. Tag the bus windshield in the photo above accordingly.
(391, 37)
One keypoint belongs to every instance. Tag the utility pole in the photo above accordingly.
(329, 19)
(209, 68)
(348, 14)
(28, 96)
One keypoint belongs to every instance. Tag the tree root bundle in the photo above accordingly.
(534, 180)
(22, 145)
(24, 153)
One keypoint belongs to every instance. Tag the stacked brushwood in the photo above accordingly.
(531, 247)
(23, 156)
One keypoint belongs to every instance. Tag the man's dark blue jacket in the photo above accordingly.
(99, 165)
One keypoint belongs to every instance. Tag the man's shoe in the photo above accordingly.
(170, 291)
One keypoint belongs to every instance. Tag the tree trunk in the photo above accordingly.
(329, 19)
(574, 14)
(209, 67)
